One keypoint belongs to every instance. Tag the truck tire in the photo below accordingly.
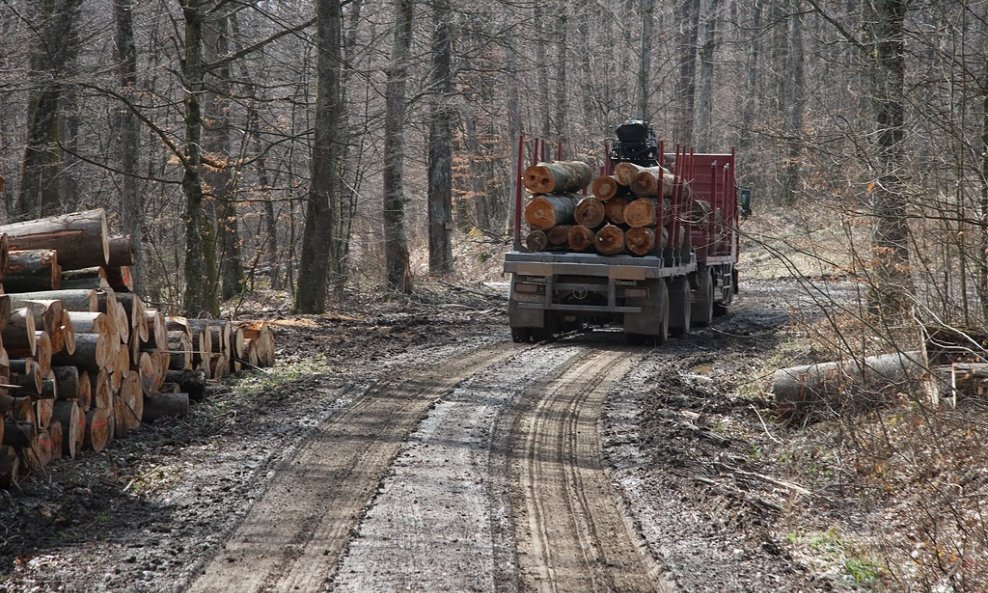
(661, 335)
(703, 302)
(521, 334)
(680, 306)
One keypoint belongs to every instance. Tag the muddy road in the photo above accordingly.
(429, 453)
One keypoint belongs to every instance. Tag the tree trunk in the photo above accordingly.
(687, 15)
(200, 297)
(316, 242)
(216, 142)
(645, 58)
(705, 101)
(38, 194)
(794, 104)
(440, 146)
(892, 284)
(131, 199)
(396, 261)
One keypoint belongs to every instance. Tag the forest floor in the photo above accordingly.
(408, 444)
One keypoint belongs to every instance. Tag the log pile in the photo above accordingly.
(628, 212)
(82, 359)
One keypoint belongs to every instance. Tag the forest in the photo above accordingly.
(310, 146)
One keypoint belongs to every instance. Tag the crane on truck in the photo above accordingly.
(660, 260)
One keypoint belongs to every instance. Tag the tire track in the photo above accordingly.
(294, 534)
(570, 527)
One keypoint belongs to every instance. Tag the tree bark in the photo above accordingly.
(892, 286)
(38, 194)
(396, 260)
(131, 199)
(314, 266)
(440, 147)
(200, 296)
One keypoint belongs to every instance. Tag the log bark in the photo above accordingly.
(66, 382)
(92, 351)
(536, 240)
(700, 212)
(606, 187)
(166, 405)
(18, 433)
(68, 414)
(32, 270)
(179, 350)
(19, 335)
(580, 238)
(589, 212)
(546, 211)
(834, 387)
(84, 278)
(80, 237)
(560, 176)
(72, 300)
(192, 382)
(609, 240)
(88, 322)
(121, 251)
(48, 312)
(26, 373)
(98, 429)
(5, 308)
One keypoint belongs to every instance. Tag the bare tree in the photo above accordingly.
(396, 259)
(440, 144)
(314, 265)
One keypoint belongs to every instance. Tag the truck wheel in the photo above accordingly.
(521, 334)
(680, 306)
(662, 334)
(703, 304)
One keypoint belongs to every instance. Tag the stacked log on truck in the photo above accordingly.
(82, 359)
(621, 215)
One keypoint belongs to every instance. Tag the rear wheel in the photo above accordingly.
(703, 303)
(521, 334)
(662, 334)
(680, 306)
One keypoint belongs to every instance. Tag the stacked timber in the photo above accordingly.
(83, 360)
(628, 212)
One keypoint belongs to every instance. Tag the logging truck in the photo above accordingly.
(653, 246)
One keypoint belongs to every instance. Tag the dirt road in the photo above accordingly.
(514, 442)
